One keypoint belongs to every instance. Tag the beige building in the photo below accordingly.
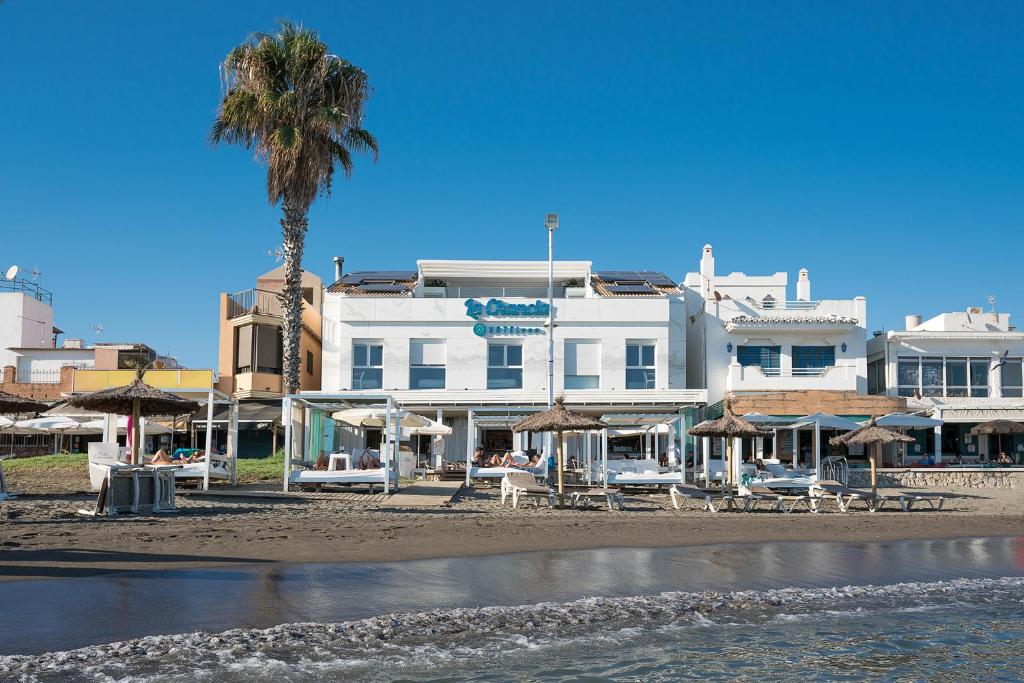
(250, 350)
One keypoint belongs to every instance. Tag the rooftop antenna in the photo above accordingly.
(11, 273)
(992, 302)
(97, 329)
(277, 253)
(36, 273)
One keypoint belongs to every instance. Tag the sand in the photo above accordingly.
(41, 535)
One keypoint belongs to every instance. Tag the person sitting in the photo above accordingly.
(1004, 459)
(926, 461)
(368, 461)
(161, 458)
(479, 458)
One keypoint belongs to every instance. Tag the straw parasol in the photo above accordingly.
(559, 419)
(998, 428)
(138, 399)
(11, 404)
(869, 435)
(729, 426)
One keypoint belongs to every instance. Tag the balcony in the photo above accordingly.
(754, 378)
(254, 302)
(773, 305)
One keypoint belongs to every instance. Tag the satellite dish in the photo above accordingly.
(12, 272)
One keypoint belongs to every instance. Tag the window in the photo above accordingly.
(582, 364)
(640, 371)
(812, 360)
(504, 366)
(258, 348)
(765, 357)
(426, 363)
(367, 366)
(876, 377)
(937, 377)
(1012, 379)
(309, 362)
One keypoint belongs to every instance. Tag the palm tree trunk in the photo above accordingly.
(293, 226)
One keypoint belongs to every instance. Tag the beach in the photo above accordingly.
(43, 536)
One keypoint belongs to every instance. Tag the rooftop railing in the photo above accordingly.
(29, 289)
(499, 292)
(254, 301)
(772, 305)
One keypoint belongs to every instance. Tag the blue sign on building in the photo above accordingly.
(496, 308)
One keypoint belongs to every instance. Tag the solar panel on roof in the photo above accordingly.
(630, 289)
(386, 275)
(382, 288)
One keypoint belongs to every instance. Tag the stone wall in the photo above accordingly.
(940, 478)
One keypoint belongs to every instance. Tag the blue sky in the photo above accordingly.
(878, 144)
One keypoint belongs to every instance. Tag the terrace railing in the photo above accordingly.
(500, 292)
(28, 288)
(252, 301)
(772, 305)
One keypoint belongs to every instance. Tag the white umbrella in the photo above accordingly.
(122, 426)
(435, 428)
(56, 424)
(827, 421)
(9, 426)
(375, 417)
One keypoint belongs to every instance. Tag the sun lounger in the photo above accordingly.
(934, 501)
(583, 498)
(523, 484)
(679, 494)
(846, 496)
(783, 502)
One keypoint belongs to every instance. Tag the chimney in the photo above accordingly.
(707, 270)
(912, 322)
(339, 267)
(803, 286)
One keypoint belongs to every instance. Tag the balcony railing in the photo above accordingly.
(254, 301)
(771, 305)
(794, 372)
(29, 289)
(499, 292)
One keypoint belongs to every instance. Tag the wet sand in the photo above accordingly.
(41, 536)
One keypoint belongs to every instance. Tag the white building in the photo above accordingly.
(466, 342)
(963, 366)
(747, 334)
(26, 318)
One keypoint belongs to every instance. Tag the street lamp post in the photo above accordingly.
(551, 223)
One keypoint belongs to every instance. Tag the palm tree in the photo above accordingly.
(300, 109)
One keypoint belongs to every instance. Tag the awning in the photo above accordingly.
(905, 421)
(982, 414)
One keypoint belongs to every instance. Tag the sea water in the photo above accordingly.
(950, 610)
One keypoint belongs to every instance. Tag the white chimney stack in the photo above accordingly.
(803, 286)
(913, 322)
(339, 267)
(707, 270)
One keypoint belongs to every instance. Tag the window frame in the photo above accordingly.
(566, 376)
(945, 389)
(505, 346)
(651, 382)
(814, 351)
(357, 384)
(769, 370)
(428, 366)
(1015, 390)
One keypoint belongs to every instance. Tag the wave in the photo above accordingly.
(306, 651)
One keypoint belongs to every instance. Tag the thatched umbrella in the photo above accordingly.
(998, 428)
(11, 404)
(139, 400)
(729, 426)
(558, 419)
(871, 435)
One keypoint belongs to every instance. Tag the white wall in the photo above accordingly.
(394, 321)
(38, 360)
(24, 322)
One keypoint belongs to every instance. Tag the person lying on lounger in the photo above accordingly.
(368, 461)
(502, 461)
(533, 461)
(161, 458)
